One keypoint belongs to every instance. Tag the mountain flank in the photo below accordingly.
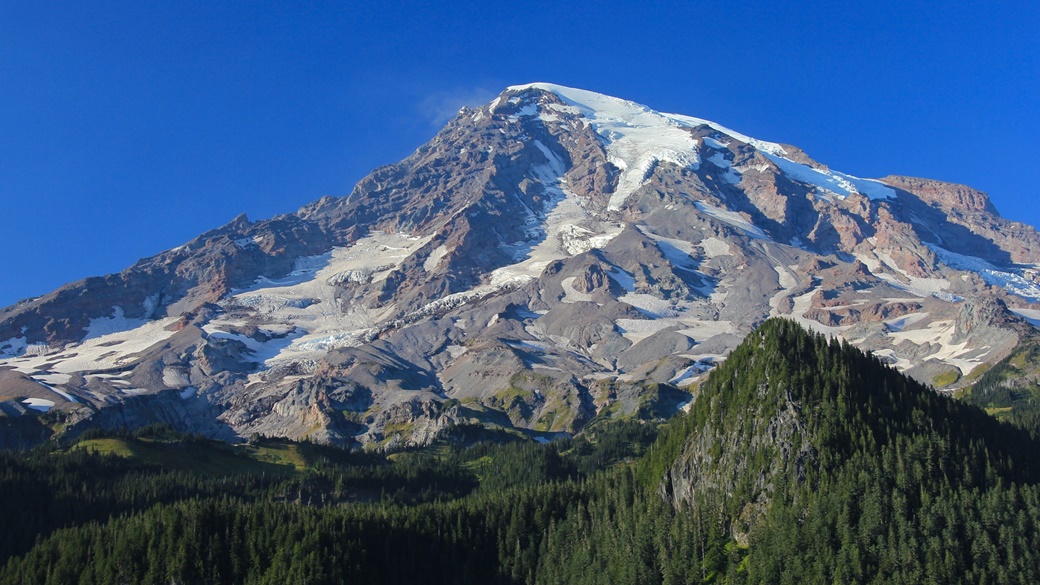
(547, 260)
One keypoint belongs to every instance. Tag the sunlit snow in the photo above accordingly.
(102, 352)
(1015, 284)
(833, 181)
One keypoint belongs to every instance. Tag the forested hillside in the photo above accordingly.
(802, 460)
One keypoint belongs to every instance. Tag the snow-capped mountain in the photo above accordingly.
(550, 257)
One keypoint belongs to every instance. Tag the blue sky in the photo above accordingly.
(127, 128)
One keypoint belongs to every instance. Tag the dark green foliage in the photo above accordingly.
(900, 485)
(1011, 388)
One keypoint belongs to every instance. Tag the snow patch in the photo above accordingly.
(650, 305)
(717, 144)
(937, 334)
(714, 247)
(107, 351)
(636, 330)
(571, 294)
(435, 258)
(65, 395)
(307, 297)
(456, 350)
(40, 404)
(56, 379)
(732, 218)
(786, 277)
(624, 279)
(263, 352)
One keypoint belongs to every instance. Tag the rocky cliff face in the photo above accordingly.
(539, 249)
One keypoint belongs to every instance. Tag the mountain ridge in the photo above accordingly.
(554, 235)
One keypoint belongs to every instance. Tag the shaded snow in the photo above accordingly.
(115, 324)
(677, 252)
(904, 322)
(689, 375)
(12, 347)
(40, 404)
(1032, 316)
(729, 175)
(624, 279)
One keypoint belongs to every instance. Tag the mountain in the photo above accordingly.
(554, 256)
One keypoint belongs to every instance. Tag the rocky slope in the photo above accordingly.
(543, 260)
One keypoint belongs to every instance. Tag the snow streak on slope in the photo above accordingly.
(732, 218)
(637, 137)
(569, 228)
(838, 183)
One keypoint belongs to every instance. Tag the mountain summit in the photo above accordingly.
(550, 257)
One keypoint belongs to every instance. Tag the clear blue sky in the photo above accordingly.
(127, 128)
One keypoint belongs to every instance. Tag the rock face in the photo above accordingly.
(536, 248)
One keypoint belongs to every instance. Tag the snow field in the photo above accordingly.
(307, 298)
(101, 352)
